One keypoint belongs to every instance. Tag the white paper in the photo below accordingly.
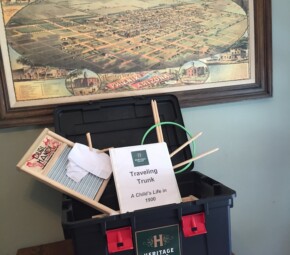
(150, 182)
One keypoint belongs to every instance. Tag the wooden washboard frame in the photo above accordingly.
(41, 158)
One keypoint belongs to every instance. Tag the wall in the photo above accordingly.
(254, 159)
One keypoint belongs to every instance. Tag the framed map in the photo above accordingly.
(204, 51)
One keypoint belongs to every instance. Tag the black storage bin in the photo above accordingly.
(195, 227)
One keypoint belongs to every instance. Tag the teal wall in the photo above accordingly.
(254, 159)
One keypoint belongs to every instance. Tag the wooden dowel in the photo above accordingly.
(89, 140)
(155, 120)
(190, 198)
(195, 158)
(104, 150)
(100, 216)
(158, 121)
(185, 144)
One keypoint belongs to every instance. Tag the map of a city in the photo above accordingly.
(116, 45)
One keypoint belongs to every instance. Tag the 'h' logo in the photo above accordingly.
(140, 158)
(157, 240)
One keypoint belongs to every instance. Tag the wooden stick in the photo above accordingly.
(185, 144)
(195, 158)
(100, 216)
(155, 120)
(89, 141)
(158, 121)
(104, 150)
(190, 198)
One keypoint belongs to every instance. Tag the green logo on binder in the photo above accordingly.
(140, 158)
(158, 241)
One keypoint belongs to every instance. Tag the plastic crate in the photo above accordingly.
(193, 227)
(90, 235)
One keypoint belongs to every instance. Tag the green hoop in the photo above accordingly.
(174, 124)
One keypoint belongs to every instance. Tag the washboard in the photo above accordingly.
(46, 160)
